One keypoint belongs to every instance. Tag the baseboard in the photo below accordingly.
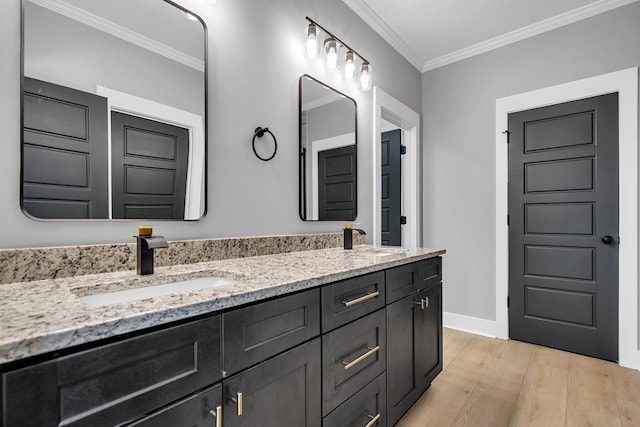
(474, 325)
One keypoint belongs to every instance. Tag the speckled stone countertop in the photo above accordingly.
(47, 315)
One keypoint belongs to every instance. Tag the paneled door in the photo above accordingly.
(563, 231)
(391, 188)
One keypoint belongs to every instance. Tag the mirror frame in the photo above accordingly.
(205, 119)
(302, 182)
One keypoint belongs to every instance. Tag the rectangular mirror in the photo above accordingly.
(113, 110)
(328, 153)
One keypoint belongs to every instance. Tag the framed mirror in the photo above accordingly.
(113, 110)
(328, 153)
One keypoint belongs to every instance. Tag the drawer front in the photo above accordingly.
(352, 356)
(200, 410)
(401, 281)
(117, 382)
(367, 408)
(430, 272)
(351, 299)
(282, 392)
(257, 332)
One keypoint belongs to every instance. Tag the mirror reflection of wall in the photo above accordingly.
(113, 110)
(328, 153)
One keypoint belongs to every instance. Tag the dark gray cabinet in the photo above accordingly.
(263, 364)
(281, 392)
(367, 408)
(414, 339)
(256, 332)
(352, 356)
(200, 410)
(115, 383)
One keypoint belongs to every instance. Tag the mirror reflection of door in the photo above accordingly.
(149, 168)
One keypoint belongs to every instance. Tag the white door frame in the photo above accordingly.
(390, 109)
(624, 82)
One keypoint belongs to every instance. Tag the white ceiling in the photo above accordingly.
(432, 33)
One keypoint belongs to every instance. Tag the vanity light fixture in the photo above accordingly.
(365, 76)
(332, 46)
(349, 65)
(312, 41)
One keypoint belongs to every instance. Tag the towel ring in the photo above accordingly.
(259, 132)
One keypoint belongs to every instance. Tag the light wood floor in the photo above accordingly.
(491, 382)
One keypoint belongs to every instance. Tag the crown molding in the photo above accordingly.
(379, 26)
(119, 31)
(552, 23)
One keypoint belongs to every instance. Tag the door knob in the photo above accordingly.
(607, 240)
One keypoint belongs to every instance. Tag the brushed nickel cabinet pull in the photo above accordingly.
(426, 302)
(359, 359)
(218, 415)
(238, 401)
(373, 419)
(360, 299)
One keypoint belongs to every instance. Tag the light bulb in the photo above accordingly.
(365, 76)
(312, 41)
(349, 65)
(331, 46)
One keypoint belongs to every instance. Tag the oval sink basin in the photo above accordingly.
(134, 294)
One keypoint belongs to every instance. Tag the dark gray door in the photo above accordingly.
(337, 184)
(149, 168)
(391, 188)
(64, 152)
(563, 234)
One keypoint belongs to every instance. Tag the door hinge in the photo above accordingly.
(506, 132)
(403, 220)
(508, 301)
(403, 149)
(508, 220)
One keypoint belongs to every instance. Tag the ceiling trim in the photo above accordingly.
(119, 31)
(374, 21)
(552, 23)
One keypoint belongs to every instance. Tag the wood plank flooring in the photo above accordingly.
(494, 383)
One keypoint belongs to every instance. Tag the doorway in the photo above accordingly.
(563, 226)
(391, 185)
(624, 82)
(387, 108)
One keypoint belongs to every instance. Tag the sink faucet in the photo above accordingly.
(146, 243)
(348, 235)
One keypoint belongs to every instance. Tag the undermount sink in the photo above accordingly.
(151, 291)
(382, 251)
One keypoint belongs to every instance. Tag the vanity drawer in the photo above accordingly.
(255, 333)
(351, 299)
(366, 408)
(352, 356)
(197, 411)
(408, 279)
(115, 383)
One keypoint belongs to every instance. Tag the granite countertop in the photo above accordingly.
(47, 315)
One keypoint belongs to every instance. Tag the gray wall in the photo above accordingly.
(331, 120)
(459, 155)
(255, 59)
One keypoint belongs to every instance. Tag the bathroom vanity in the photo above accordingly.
(324, 337)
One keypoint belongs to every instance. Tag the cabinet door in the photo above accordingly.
(401, 373)
(117, 382)
(428, 337)
(351, 299)
(366, 408)
(255, 333)
(352, 356)
(281, 392)
(199, 410)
